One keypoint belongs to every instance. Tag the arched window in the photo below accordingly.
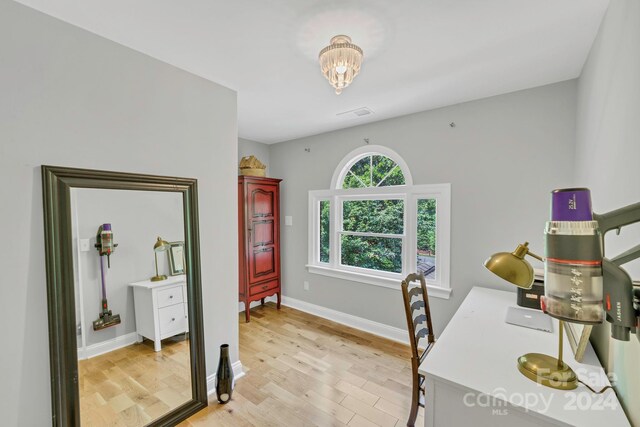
(375, 226)
(371, 166)
(373, 170)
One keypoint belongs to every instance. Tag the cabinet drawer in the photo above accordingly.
(263, 287)
(167, 297)
(172, 319)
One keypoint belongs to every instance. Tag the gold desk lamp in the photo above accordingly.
(160, 246)
(543, 369)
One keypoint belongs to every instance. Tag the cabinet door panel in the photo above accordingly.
(263, 232)
(264, 264)
(261, 200)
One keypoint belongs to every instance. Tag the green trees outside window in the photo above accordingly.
(376, 253)
(426, 233)
(325, 210)
(373, 171)
(373, 217)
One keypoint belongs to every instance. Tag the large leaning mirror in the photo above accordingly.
(124, 298)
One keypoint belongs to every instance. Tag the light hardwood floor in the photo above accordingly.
(302, 370)
(134, 385)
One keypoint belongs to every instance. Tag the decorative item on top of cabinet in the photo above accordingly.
(251, 166)
(259, 239)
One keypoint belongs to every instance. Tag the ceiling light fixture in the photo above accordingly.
(340, 62)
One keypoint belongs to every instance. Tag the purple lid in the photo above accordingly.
(106, 227)
(571, 204)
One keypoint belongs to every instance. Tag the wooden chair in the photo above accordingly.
(416, 306)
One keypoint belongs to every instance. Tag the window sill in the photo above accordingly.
(434, 291)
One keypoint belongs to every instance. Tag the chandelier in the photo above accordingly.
(340, 62)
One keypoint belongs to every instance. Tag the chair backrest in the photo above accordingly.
(416, 306)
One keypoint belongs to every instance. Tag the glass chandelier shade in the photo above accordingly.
(340, 62)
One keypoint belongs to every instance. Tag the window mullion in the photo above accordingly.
(358, 178)
(317, 218)
(411, 212)
(387, 175)
(312, 227)
(372, 234)
(335, 224)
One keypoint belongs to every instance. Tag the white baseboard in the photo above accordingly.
(238, 372)
(272, 298)
(103, 347)
(380, 329)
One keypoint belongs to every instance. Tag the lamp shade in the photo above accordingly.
(512, 267)
(161, 245)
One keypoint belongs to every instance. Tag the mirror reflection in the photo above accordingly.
(131, 305)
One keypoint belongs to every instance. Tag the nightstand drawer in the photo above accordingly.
(167, 297)
(263, 287)
(172, 318)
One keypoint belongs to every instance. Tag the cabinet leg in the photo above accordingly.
(247, 315)
(156, 345)
(261, 301)
(279, 298)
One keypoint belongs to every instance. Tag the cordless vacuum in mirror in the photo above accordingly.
(105, 247)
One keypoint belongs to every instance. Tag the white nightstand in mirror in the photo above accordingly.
(161, 309)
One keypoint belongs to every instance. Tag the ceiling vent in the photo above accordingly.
(358, 112)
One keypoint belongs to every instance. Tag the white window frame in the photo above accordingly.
(350, 159)
(410, 194)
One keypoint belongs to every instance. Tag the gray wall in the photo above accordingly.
(71, 98)
(502, 159)
(607, 156)
(246, 147)
(137, 218)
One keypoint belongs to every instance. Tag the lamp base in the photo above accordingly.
(158, 278)
(547, 371)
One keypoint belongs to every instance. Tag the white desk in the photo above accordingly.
(472, 377)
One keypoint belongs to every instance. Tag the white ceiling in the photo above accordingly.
(419, 54)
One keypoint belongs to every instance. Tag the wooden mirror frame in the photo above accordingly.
(57, 184)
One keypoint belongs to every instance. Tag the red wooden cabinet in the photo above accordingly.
(259, 239)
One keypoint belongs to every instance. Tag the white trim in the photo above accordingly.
(367, 150)
(369, 193)
(442, 194)
(440, 287)
(380, 329)
(107, 346)
(434, 291)
(77, 274)
(238, 372)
